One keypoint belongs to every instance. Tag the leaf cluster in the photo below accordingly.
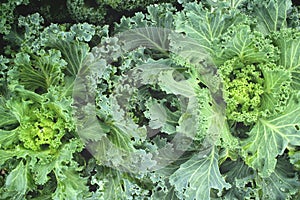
(189, 100)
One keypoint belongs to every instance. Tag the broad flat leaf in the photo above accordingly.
(282, 183)
(186, 88)
(19, 179)
(7, 138)
(238, 174)
(39, 72)
(276, 89)
(69, 184)
(270, 137)
(8, 120)
(196, 177)
(271, 15)
(74, 53)
(69, 43)
(288, 42)
(148, 72)
(161, 117)
(148, 37)
(248, 47)
(202, 27)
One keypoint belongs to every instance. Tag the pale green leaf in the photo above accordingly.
(276, 89)
(149, 37)
(7, 138)
(19, 179)
(183, 87)
(270, 137)
(288, 42)
(162, 117)
(196, 177)
(69, 184)
(202, 26)
(271, 15)
(249, 47)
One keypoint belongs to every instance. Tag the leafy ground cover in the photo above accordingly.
(149, 100)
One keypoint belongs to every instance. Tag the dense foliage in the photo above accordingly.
(174, 100)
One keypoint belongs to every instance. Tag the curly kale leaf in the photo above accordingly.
(38, 167)
(243, 87)
(7, 11)
(161, 16)
(131, 4)
(82, 12)
(43, 119)
(38, 137)
(38, 72)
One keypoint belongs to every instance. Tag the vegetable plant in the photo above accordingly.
(174, 100)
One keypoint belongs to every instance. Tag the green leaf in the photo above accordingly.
(202, 26)
(69, 43)
(241, 177)
(55, 162)
(167, 82)
(270, 137)
(8, 120)
(276, 89)
(73, 53)
(39, 72)
(155, 38)
(159, 15)
(161, 117)
(250, 47)
(149, 72)
(271, 15)
(69, 184)
(9, 154)
(19, 179)
(283, 183)
(295, 157)
(117, 185)
(196, 177)
(81, 11)
(8, 138)
(7, 9)
(288, 42)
